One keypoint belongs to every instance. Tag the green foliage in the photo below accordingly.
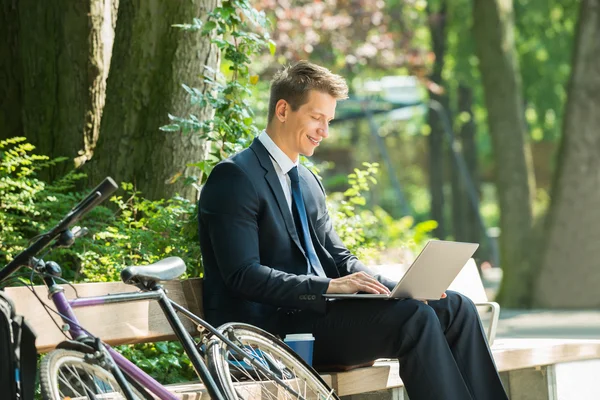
(231, 28)
(164, 361)
(356, 226)
(28, 205)
(544, 40)
(139, 231)
(369, 231)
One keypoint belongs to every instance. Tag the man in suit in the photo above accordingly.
(270, 253)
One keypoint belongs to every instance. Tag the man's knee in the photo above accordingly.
(422, 317)
(461, 303)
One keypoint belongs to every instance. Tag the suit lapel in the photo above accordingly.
(273, 180)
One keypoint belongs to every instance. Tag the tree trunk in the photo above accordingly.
(471, 229)
(151, 60)
(103, 19)
(437, 24)
(460, 201)
(62, 61)
(569, 276)
(495, 46)
(10, 72)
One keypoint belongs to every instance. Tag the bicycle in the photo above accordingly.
(234, 361)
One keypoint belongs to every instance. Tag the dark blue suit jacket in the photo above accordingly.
(254, 263)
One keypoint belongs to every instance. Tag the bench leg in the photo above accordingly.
(531, 383)
(389, 394)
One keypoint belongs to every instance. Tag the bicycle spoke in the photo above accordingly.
(269, 388)
(65, 380)
(264, 389)
(265, 365)
(72, 377)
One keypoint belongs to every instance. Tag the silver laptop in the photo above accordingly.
(429, 275)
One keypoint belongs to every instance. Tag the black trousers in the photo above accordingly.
(441, 346)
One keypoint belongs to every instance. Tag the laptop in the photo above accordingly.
(429, 275)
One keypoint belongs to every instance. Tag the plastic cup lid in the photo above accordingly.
(299, 336)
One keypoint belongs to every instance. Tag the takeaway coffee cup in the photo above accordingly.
(301, 343)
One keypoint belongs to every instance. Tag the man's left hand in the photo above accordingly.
(443, 296)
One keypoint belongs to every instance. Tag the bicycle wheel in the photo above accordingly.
(241, 380)
(65, 374)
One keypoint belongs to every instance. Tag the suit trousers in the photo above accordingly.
(441, 346)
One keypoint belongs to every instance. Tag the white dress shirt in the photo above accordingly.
(282, 163)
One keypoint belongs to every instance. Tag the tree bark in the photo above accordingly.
(62, 62)
(495, 47)
(10, 71)
(569, 277)
(437, 25)
(151, 59)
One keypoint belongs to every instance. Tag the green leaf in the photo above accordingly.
(162, 347)
(209, 26)
(272, 47)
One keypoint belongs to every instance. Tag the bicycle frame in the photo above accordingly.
(65, 308)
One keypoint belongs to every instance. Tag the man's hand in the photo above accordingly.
(357, 282)
(443, 296)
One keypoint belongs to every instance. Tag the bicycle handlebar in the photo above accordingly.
(96, 196)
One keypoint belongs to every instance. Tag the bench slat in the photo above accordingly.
(509, 355)
(134, 322)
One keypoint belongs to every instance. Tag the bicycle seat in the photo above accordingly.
(164, 270)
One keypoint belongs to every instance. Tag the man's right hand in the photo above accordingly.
(357, 282)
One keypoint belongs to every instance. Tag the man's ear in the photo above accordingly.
(282, 108)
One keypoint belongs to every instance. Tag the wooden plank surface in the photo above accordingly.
(509, 354)
(134, 322)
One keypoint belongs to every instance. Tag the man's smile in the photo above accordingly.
(314, 141)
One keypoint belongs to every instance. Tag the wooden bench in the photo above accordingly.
(526, 365)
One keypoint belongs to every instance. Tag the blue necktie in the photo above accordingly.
(303, 232)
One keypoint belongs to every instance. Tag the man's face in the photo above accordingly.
(307, 126)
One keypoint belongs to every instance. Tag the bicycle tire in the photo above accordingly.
(66, 374)
(239, 380)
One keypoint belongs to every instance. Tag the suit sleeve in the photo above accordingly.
(229, 209)
(346, 262)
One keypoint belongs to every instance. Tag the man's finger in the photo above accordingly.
(370, 288)
(444, 295)
(383, 289)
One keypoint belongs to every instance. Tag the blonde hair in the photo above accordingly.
(294, 82)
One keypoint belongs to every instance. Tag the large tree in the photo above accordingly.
(569, 266)
(435, 118)
(151, 60)
(54, 64)
(493, 27)
(11, 123)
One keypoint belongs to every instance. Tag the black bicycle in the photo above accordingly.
(234, 361)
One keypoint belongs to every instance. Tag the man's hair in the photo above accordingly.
(294, 82)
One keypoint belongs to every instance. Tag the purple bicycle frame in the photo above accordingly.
(65, 308)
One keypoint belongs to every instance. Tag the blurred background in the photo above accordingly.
(467, 120)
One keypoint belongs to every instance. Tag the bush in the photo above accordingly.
(134, 231)
(369, 232)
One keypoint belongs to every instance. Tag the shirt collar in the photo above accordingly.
(276, 153)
